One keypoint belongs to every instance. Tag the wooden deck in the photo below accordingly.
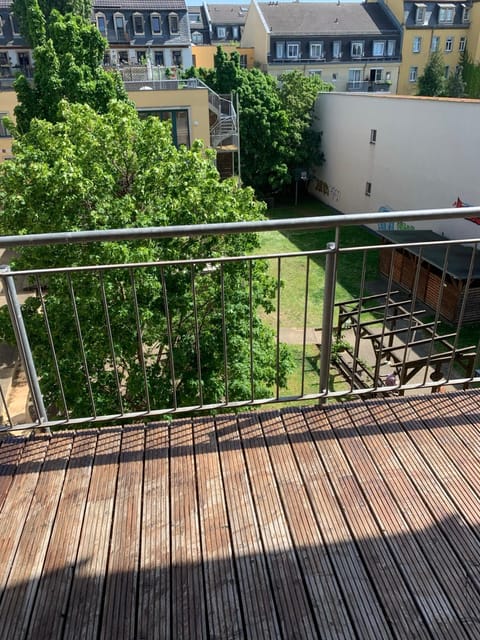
(357, 520)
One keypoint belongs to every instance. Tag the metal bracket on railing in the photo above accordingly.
(23, 343)
(328, 316)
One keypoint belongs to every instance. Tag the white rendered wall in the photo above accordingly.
(426, 155)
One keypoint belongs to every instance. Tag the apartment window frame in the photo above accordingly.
(462, 43)
(435, 46)
(197, 37)
(99, 19)
(173, 23)
(138, 21)
(337, 49)
(14, 24)
(375, 74)
(391, 48)
(221, 33)
(159, 58)
(315, 72)
(449, 44)
(317, 46)
(378, 48)
(446, 13)
(465, 14)
(235, 32)
(417, 44)
(420, 12)
(1, 26)
(279, 50)
(291, 47)
(355, 81)
(243, 61)
(368, 189)
(446, 71)
(357, 48)
(4, 133)
(413, 74)
(194, 18)
(177, 60)
(156, 18)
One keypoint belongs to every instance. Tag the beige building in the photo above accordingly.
(399, 153)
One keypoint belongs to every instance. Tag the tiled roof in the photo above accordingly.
(227, 13)
(312, 18)
(151, 5)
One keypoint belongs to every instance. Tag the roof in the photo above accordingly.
(459, 256)
(311, 18)
(228, 13)
(151, 5)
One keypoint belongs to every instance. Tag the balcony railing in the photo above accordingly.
(387, 335)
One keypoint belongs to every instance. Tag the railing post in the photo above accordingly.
(23, 343)
(328, 313)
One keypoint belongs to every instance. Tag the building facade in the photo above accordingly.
(354, 46)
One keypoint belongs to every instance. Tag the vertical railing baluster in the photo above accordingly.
(328, 315)
(197, 335)
(23, 343)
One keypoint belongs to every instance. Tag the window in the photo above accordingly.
(243, 60)
(337, 49)
(334, 77)
(179, 120)
(391, 47)
(197, 37)
(155, 23)
(173, 23)
(194, 18)
(354, 78)
(462, 44)
(119, 22)
(446, 13)
(316, 50)
(373, 136)
(3, 58)
(138, 28)
(435, 43)
(159, 59)
(14, 25)
(1, 27)
(101, 24)
(357, 49)
(315, 72)
(280, 50)
(293, 50)
(221, 32)
(417, 44)
(446, 71)
(3, 129)
(235, 32)
(123, 57)
(449, 44)
(420, 13)
(378, 48)
(465, 13)
(412, 76)
(376, 75)
(177, 58)
(368, 188)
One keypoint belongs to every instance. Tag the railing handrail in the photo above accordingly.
(316, 222)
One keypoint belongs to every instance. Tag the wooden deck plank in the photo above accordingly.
(56, 581)
(413, 539)
(86, 600)
(120, 603)
(188, 595)
(306, 432)
(155, 606)
(296, 617)
(10, 452)
(223, 605)
(257, 601)
(24, 578)
(321, 587)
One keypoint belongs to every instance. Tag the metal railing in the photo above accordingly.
(115, 342)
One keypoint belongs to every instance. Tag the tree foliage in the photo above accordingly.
(432, 82)
(68, 52)
(470, 75)
(23, 11)
(275, 120)
(114, 170)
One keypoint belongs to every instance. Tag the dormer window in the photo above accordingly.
(1, 27)
(420, 13)
(138, 26)
(194, 18)
(119, 22)
(465, 14)
(446, 13)
(197, 37)
(357, 49)
(101, 21)
(316, 50)
(235, 32)
(173, 23)
(14, 25)
(156, 24)
(221, 33)
(337, 49)
(378, 48)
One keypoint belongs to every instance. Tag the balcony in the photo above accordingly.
(354, 519)
(368, 85)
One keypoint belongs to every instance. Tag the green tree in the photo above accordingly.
(275, 120)
(68, 52)
(432, 82)
(114, 170)
(470, 75)
(23, 11)
(455, 86)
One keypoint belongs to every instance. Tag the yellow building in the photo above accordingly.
(446, 27)
(8, 100)
(203, 55)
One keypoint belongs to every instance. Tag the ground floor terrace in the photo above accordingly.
(342, 520)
